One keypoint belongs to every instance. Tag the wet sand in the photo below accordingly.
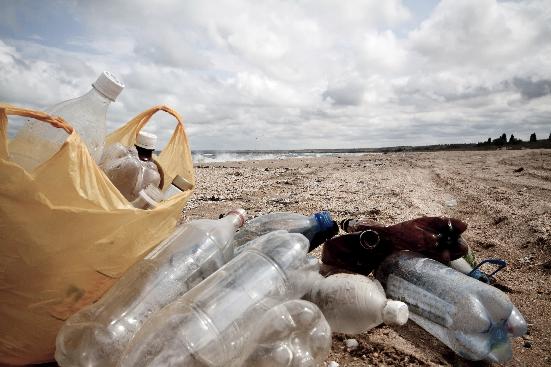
(508, 211)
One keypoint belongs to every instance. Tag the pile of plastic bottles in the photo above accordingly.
(208, 296)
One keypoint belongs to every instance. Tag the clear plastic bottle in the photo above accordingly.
(213, 324)
(317, 227)
(131, 169)
(472, 318)
(293, 333)
(98, 334)
(353, 303)
(148, 198)
(36, 142)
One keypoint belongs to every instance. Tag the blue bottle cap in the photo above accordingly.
(324, 220)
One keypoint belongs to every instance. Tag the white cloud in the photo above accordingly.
(297, 74)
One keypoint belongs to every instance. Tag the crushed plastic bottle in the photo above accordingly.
(472, 318)
(214, 323)
(36, 142)
(353, 303)
(98, 334)
(131, 169)
(317, 227)
(294, 333)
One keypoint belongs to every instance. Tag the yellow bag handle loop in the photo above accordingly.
(7, 110)
(55, 121)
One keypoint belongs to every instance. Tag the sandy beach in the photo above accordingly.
(508, 210)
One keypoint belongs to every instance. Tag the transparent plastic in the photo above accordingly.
(312, 226)
(127, 171)
(98, 334)
(213, 324)
(353, 303)
(148, 198)
(37, 142)
(294, 333)
(472, 318)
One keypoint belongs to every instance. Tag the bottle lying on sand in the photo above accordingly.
(36, 142)
(131, 169)
(353, 303)
(98, 334)
(368, 242)
(317, 227)
(294, 333)
(472, 318)
(213, 324)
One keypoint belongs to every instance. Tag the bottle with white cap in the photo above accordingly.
(354, 303)
(98, 334)
(36, 142)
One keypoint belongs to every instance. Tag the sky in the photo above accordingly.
(292, 74)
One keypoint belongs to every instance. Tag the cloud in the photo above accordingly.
(293, 74)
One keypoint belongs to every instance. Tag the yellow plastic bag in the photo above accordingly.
(66, 233)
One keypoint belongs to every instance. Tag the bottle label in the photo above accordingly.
(420, 301)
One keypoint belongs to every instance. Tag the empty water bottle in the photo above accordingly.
(294, 333)
(214, 323)
(98, 334)
(317, 227)
(472, 318)
(36, 142)
(354, 303)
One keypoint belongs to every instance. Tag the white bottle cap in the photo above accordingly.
(395, 313)
(108, 85)
(146, 140)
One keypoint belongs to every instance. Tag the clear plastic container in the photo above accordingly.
(128, 171)
(472, 318)
(353, 303)
(98, 334)
(317, 227)
(294, 333)
(213, 324)
(148, 198)
(36, 142)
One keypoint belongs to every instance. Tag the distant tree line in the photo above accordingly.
(502, 140)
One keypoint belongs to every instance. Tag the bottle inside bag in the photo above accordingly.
(132, 169)
(36, 142)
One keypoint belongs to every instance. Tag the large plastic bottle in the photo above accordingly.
(131, 169)
(36, 142)
(98, 334)
(472, 318)
(213, 324)
(293, 333)
(317, 227)
(353, 303)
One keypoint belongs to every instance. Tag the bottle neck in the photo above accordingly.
(144, 154)
(236, 218)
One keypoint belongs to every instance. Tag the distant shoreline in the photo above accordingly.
(540, 144)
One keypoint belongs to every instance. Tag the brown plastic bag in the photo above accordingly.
(66, 233)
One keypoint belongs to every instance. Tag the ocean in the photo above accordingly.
(209, 156)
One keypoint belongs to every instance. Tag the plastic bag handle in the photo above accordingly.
(55, 121)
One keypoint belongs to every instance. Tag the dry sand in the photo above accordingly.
(508, 212)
